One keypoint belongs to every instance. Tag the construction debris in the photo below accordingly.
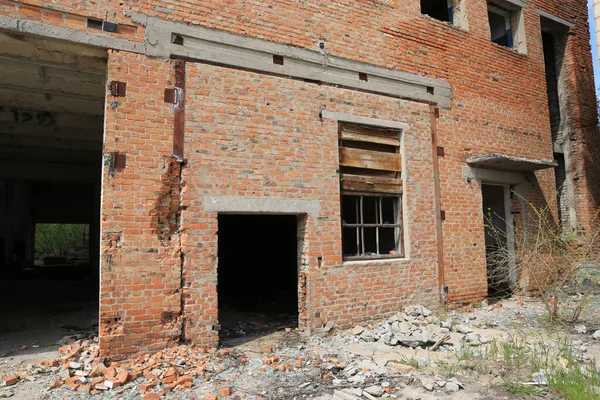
(389, 359)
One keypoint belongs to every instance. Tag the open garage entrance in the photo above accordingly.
(258, 275)
(51, 136)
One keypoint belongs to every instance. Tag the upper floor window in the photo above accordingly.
(500, 26)
(507, 26)
(438, 9)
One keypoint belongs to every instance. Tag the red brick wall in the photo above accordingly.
(140, 297)
(499, 105)
(258, 136)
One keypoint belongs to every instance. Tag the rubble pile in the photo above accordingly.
(417, 327)
(389, 359)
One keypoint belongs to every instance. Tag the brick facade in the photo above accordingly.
(250, 134)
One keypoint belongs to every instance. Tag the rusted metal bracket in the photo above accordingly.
(178, 97)
(173, 96)
(117, 89)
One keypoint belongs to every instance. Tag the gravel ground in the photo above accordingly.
(388, 359)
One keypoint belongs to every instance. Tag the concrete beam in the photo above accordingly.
(28, 79)
(260, 205)
(228, 49)
(43, 132)
(47, 171)
(102, 41)
(35, 100)
(355, 119)
(556, 20)
(50, 143)
(491, 176)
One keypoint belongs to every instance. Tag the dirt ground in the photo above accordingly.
(362, 363)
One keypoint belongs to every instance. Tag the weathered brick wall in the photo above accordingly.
(140, 280)
(253, 135)
(499, 105)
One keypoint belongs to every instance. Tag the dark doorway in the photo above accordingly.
(496, 240)
(258, 274)
(52, 98)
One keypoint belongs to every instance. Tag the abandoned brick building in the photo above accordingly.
(328, 160)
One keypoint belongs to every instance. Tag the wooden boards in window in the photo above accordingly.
(359, 183)
(370, 135)
(370, 159)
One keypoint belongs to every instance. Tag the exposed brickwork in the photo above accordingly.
(253, 135)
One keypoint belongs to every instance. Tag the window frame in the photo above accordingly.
(371, 165)
(450, 9)
(508, 25)
(360, 226)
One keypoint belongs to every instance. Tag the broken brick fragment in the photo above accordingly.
(151, 396)
(53, 363)
(224, 392)
(147, 386)
(169, 379)
(265, 348)
(84, 388)
(10, 380)
(56, 384)
(122, 376)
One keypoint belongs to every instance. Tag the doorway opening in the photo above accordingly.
(499, 240)
(257, 275)
(51, 136)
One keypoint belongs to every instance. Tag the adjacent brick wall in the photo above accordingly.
(253, 135)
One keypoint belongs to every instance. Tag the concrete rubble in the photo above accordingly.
(382, 360)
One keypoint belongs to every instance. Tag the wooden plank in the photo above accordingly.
(368, 130)
(370, 159)
(358, 183)
(359, 137)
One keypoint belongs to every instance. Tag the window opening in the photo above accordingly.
(438, 9)
(500, 26)
(371, 186)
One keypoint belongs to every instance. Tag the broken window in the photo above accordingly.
(500, 26)
(438, 9)
(371, 186)
(507, 27)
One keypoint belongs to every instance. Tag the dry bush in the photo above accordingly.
(562, 268)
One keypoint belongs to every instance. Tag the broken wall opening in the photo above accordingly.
(554, 40)
(51, 137)
(498, 237)
(257, 275)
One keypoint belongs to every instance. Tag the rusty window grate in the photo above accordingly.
(371, 226)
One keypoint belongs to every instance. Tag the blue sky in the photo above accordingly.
(594, 47)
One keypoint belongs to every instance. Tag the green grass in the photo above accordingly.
(521, 390)
(448, 370)
(412, 361)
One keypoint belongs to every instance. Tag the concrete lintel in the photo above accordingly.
(563, 22)
(504, 162)
(266, 205)
(491, 176)
(71, 35)
(356, 119)
(510, 4)
(229, 49)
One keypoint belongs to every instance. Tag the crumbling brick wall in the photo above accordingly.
(152, 296)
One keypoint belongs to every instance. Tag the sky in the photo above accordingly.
(594, 48)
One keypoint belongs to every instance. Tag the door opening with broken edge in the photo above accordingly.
(51, 137)
(257, 275)
(499, 239)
